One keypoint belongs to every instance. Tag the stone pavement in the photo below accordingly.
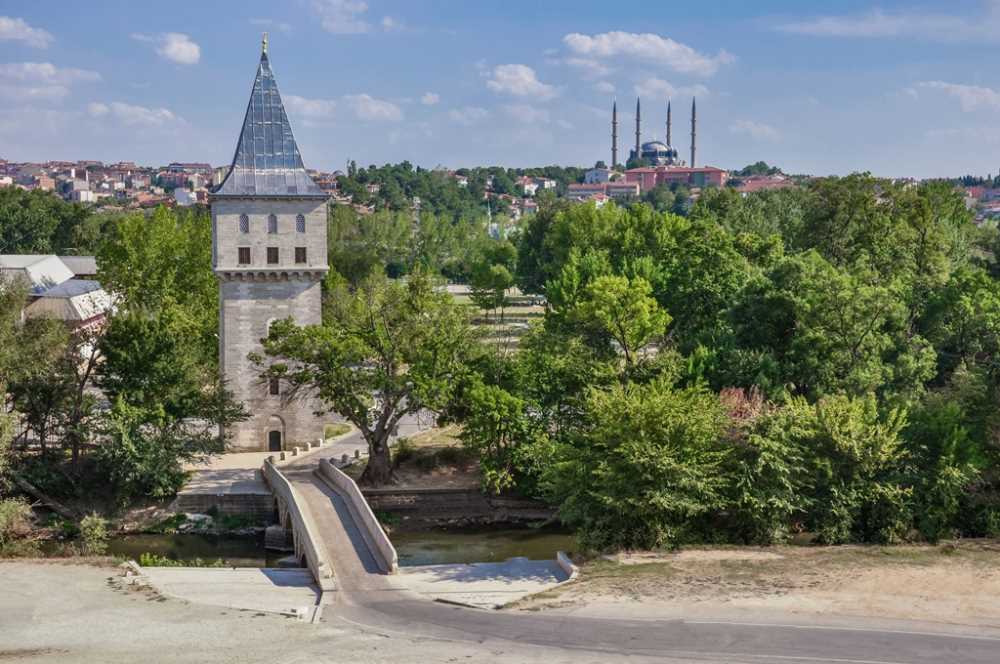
(283, 591)
(484, 585)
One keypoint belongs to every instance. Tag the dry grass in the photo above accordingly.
(956, 582)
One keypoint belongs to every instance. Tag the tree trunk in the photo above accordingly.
(378, 471)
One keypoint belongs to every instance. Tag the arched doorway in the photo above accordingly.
(275, 434)
(273, 441)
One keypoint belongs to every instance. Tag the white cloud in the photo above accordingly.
(527, 114)
(174, 46)
(342, 17)
(33, 81)
(272, 24)
(520, 81)
(15, 29)
(430, 98)
(97, 109)
(649, 47)
(604, 87)
(133, 116)
(390, 24)
(468, 115)
(310, 109)
(366, 107)
(880, 24)
(757, 130)
(657, 87)
(589, 67)
(970, 97)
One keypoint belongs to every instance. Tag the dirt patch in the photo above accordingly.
(954, 583)
(435, 459)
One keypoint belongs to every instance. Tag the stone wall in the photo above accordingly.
(253, 296)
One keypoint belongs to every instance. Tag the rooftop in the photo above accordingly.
(267, 160)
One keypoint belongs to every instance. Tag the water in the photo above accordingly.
(478, 545)
(432, 547)
(235, 551)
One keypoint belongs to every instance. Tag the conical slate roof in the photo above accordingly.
(267, 160)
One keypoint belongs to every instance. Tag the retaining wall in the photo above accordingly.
(367, 523)
(454, 503)
(259, 507)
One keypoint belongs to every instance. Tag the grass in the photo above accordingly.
(153, 560)
(335, 430)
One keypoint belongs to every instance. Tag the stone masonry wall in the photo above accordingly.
(252, 296)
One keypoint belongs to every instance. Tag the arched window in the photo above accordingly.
(244, 223)
(272, 223)
(300, 223)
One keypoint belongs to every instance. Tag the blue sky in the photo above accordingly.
(897, 88)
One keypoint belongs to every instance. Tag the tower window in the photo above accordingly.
(244, 256)
(300, 255)
(274, 386)
(272, 255)
(272, 223)
(244, 223)
(300, 223)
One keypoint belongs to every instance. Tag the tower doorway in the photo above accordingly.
(273, 441)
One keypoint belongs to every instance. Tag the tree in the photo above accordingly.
(642, 468)
(624, 310)
(386, 351)
(164, 260)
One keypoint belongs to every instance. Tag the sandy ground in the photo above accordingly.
(58, 613)
(957, 584)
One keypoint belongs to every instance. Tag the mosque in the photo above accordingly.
(662, 162)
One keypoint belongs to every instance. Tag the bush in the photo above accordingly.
(94, 533)
(15, 525)
(645, 470)
(154, 560)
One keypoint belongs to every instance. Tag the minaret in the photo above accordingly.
(614, 133)
(638, 121)
(269, 257)
(669, 122)
(694, 124)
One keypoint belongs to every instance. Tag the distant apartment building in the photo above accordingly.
(615, 190)
(650, 176)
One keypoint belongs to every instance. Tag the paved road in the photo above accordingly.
(379, 603)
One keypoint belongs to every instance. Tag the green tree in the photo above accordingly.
(642, 469)
(625, 310)
(386, 351)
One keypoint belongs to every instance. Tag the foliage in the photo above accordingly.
(94, 533)
(39, 222)
(386, 350)
(145, 448)
(15, 524)
(154, 560)
(642, 470)
(164, 262)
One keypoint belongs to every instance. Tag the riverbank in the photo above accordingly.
(951, 583)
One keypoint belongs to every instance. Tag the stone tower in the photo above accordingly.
(269, 255)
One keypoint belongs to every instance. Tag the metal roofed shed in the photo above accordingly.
(39, 271)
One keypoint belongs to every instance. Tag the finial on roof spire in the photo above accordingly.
(263, 44)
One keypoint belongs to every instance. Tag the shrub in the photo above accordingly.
(94, 533)
(644, 470)
(15, 524)
(154, 560)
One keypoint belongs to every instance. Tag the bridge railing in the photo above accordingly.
(307, 543)
(367, 523)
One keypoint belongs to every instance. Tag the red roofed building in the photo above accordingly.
(650, 176)
(763, 183)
